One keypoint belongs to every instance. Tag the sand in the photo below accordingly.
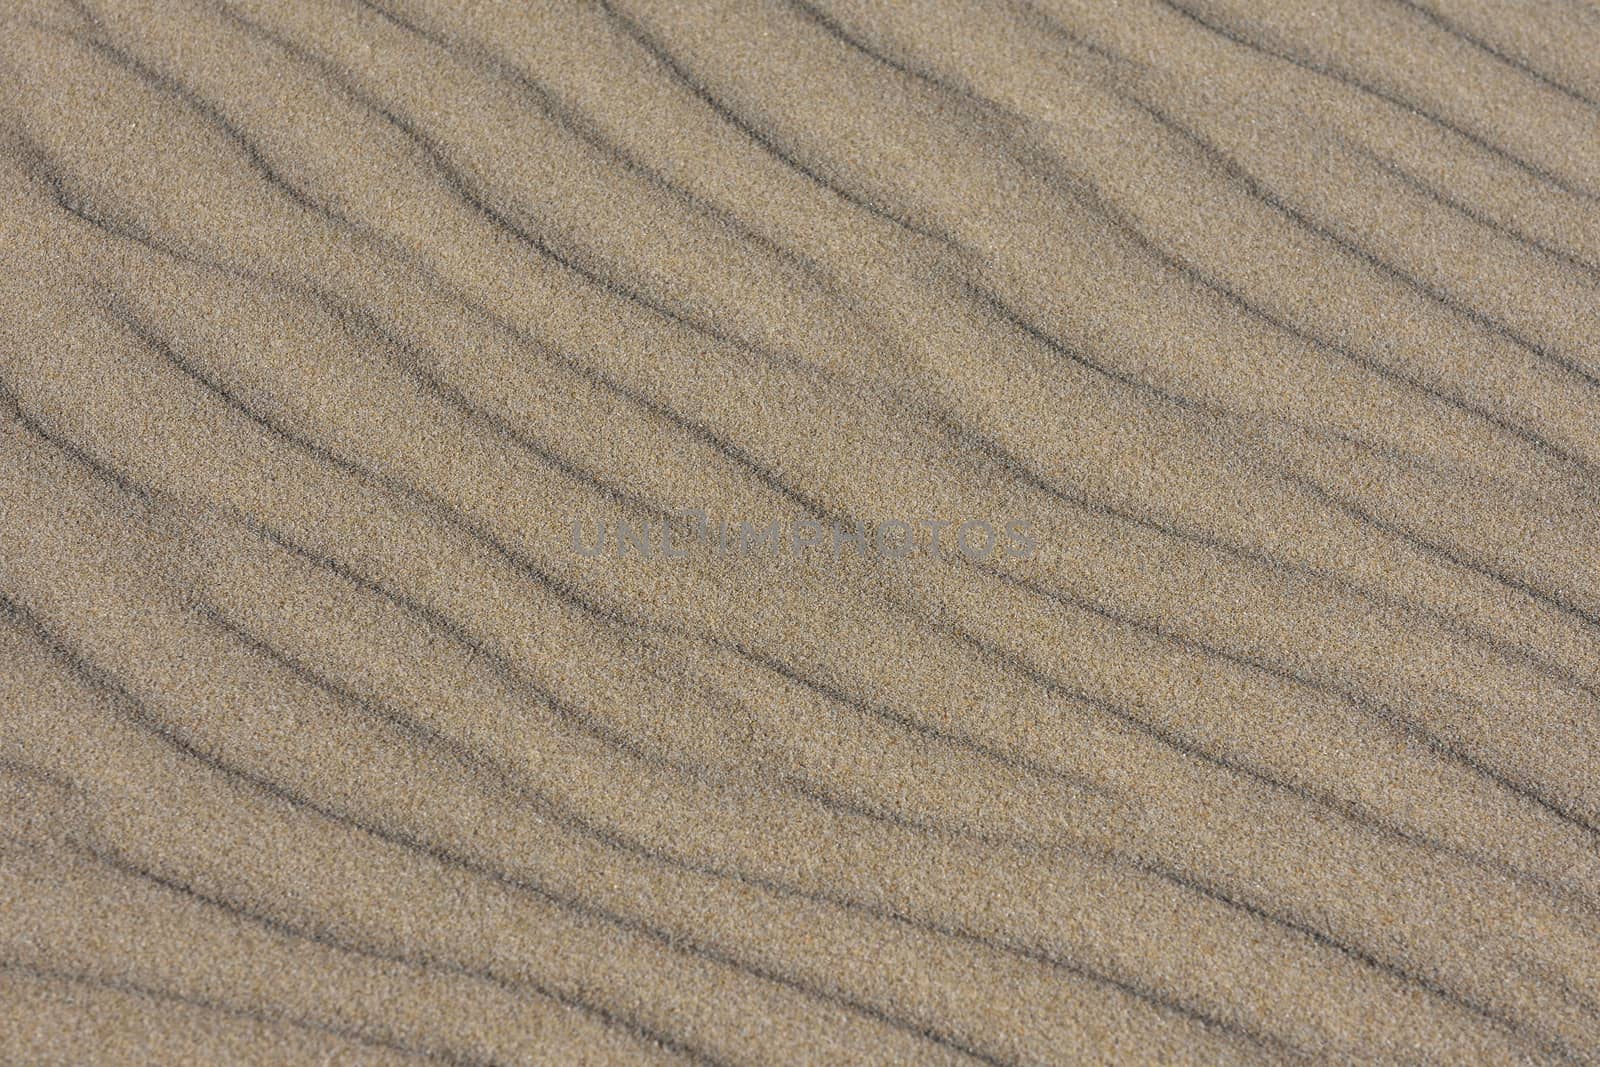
(1086, 532)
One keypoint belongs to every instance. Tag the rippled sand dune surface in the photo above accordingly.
(811, 531)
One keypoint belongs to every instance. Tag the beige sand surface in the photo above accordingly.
(1273, 736)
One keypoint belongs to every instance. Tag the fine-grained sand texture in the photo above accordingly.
(1262, 339)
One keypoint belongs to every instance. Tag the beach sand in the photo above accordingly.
(1097, 511)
